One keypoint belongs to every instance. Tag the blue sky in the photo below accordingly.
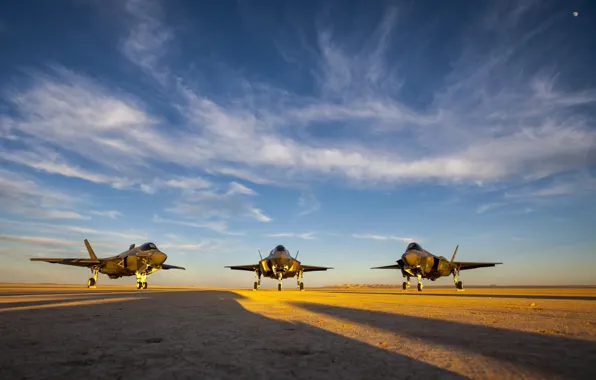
(342, 129)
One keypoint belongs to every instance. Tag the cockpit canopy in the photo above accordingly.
(414, 246)
(147, 247)
(280, 248)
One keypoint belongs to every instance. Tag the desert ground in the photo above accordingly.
(59, 332)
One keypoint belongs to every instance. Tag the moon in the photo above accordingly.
(575, 14)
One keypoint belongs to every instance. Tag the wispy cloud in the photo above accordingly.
(305, 236)
(308, 203)
(148, 37)
(62, 229)
(113, 214)
(237, 188)
(383, 237)
(37, 240)
(489, 206)
(476, 129)
(218, 226)
(212, 203)
(576, 184)
(24, 196)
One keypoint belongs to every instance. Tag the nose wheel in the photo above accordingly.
(279, 287)
(141, 281)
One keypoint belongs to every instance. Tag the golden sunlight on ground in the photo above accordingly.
(499, 333)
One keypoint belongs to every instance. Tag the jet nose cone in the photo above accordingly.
(158, 257)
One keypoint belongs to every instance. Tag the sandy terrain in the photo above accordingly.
(112, 332)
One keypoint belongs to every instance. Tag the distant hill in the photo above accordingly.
(388, 286)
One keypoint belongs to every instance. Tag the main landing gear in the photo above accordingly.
(93, 280)
(257, 283)
(299, 281)
(141, 281)
(458, 284)
(406, 284)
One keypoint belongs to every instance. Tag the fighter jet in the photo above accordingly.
(140, 261)
(278, 265)
(420, 263)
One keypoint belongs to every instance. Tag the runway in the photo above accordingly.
(116, 332)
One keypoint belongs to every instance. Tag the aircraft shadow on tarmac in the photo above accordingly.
(513, 296)
(548, 355)
(188, 334)
(59, 300)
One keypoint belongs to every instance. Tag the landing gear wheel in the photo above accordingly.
(459, 285)
(144, 285)
(405, 286)
(255, 286)
(279, 287)
(91, 283)
(419, 286)
(301, 286)
(139, 284)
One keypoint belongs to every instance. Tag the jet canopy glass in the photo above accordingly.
(414, 246)
(280, 248)
(148, 247)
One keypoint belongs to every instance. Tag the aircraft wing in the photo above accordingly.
(312, 268)
(394, 266)
(74, 262)
(463, 265)
(167, 266)
(249, 268)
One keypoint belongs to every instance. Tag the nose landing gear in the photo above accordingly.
(141, 281)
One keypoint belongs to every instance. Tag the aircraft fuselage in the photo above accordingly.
(131, 262)
(423, 263)
(279, 264)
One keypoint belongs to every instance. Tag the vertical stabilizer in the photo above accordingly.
(90, 250)
(454, 253)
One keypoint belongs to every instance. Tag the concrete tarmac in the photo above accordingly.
(116, 332)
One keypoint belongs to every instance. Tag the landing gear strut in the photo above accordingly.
(279, 277)
(141, 280)
(420, 286)
(93, 280)
(257, 283)
(299, 282)
(406, 284)
(458, 284)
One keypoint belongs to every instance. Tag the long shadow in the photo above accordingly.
(521, 296)
(546, 354)
(83, 297)
(193, 334)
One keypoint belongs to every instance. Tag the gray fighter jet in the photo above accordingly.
(420, 263)
(278, 265)
(140, 261)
